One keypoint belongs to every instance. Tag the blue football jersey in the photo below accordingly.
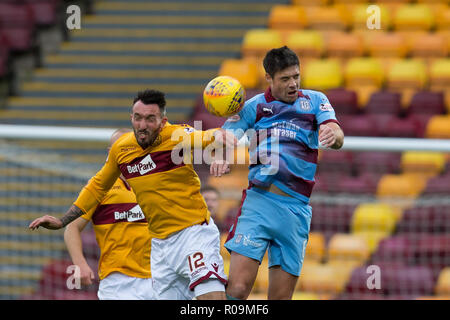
(283, 139)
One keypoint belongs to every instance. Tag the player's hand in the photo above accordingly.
(225, 138)
(219, 168)
(86, 274)
(327, 136)
(47, 222)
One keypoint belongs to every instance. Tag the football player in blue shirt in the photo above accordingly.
(285, 126)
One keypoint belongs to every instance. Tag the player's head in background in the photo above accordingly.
(212, 197)
(283, 73)
(148, 116)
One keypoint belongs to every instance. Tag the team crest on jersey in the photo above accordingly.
(305, 105)
(326, 107)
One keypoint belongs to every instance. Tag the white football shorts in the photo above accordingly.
(119, 286)
(188, 263)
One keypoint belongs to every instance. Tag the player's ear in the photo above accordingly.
(268, 78)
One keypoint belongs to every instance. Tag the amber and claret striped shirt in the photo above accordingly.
(122, 233)
(166, 188)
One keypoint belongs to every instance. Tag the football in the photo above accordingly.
(224, 96)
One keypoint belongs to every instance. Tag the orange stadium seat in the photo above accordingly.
(257, 42)
(348, 248)
(428, 45)
(345, 45)
(287, 17)
(405, 186)
(327, 18)
(323, 278)
(244, 70)
(443, 18)
(379, 217)
(438, 127)
(322, 74)
(414, 17)
(426, 163)
(387, 45)
(306, 43)
(443, 282)
(315, 249)
(310, 2)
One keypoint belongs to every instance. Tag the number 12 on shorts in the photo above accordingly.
(195, 261)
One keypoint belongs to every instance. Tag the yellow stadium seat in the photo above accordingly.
(414, 17)
(345, 45)
(287, 17)
(372, 238)
(440, 74)
(224, 206)
(387, 45)
(244, 70)
(306, 43)
(347, 247)
(427, 163)
(400, 186)
(315, 249)
(322, 74)
(257, 42)
(327, 18)
(299, 295)
(438, 127)
(262, 278)
(443, 282)
(407, 76)
(379, 217)
(360, 15)
(223, 251)
(364, 71)
(428, 45)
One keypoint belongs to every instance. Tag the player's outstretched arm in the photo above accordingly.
(331, 135)
(53, 223)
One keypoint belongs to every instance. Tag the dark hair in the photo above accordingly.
(279, 59)
(209, 188)
(152, 97)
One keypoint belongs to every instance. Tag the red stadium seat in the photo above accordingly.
(331, 218)
(17, 25)
(439, 185)
(363, 184)
(343, 101)
(358, 125)
(395, 249)
(424, 219)
(380, 162)
(404, 127)
(45, 11)
(331, 161)
(408, 280)
(427, 103)
(384, 102)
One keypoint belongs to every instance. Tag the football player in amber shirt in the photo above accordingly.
(185, 256)
(122, 234)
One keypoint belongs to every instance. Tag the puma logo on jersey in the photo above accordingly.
(146, 165)
(267, 110)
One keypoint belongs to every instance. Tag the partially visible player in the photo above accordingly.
(185, 255)
(275, 212)
(122, 234)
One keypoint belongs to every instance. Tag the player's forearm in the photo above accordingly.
(74, 244)
(73, 213)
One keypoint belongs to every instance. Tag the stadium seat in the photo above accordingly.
(343, 101)
(372, 238)
(18, 26)
(287, 17)
(44, 11)
(428, 46)
(345, 45)
(414, 17)
(323, 278)
(322, 74)
(387, 45)
(348, 248)
(356, 287)
(427, 103)
(438, 127)
(439, 185)
(407, 76)
(315, 249)
(299, 295)
(426, 163)
(431, 219)
(306, 43)
(244, 70)
(329, 219)
(364, 71)
(443, 282)
(432, 250)
(379, 162)
(384, 102)
(404, 127)
(374, 217)
(312, 3)
(439, 78)
(327, 18)
(331, 161)
(360, 184)
(408, 280)
(257, 42)
(443, 18)
(358, 125)
(262, 278)
(400, 186)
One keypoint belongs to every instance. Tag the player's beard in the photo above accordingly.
(151, 137)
